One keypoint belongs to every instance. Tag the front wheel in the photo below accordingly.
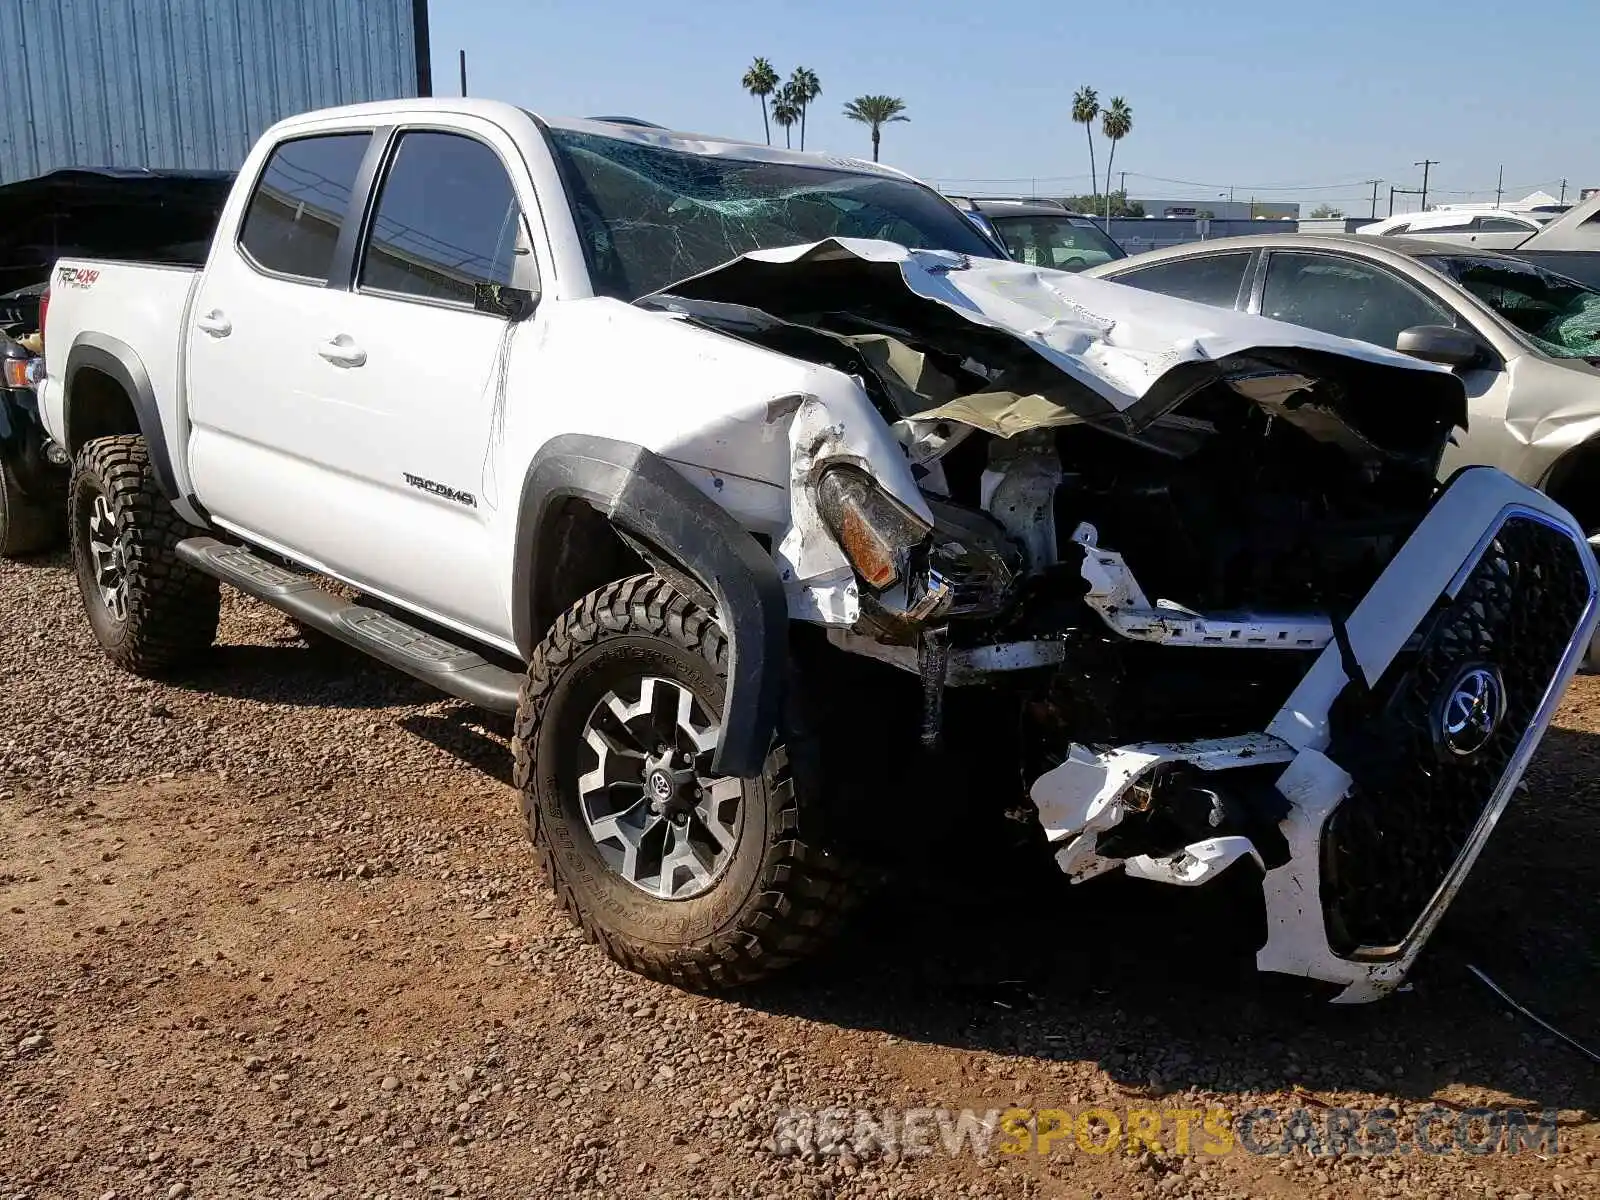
(678, 873)
(150, 611)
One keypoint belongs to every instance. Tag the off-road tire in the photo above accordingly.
(172, 608)
(784, 893)
(28, 524)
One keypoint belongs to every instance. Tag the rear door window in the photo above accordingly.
(1213, 279)
(447, 220)
(298, 207)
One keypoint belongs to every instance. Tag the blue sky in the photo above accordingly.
(1259, 96)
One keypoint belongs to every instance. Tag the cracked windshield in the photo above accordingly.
(1559, 316)
(650, 216)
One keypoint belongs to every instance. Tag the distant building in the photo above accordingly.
(1220, 210)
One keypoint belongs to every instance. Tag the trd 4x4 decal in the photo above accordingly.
(78, 277)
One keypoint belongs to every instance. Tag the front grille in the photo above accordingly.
(1415, 797)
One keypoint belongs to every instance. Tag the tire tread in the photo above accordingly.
(173, 609)
(803, 891)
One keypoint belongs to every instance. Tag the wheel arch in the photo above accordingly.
(108, 392)
(1573, 481)
(649, 512)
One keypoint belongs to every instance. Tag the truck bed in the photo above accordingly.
(133, 309)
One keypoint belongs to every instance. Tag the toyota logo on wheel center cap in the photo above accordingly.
(1471, 709)
(660, 785)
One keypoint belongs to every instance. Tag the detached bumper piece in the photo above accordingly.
(1389, 764)
(1427, 753)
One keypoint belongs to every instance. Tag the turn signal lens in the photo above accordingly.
(18, 373)
(875, 533)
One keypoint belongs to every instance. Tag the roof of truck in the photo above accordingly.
(504, 114)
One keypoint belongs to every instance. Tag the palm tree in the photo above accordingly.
(786, 112)
(1116, 124)
(761, 81)
(804, 87)
(1085, 108)
(876, 111)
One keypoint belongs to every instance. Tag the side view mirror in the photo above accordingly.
(503, 300)
(1440, 344)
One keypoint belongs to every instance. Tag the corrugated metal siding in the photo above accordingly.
(187, 83)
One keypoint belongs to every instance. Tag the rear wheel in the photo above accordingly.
(678, 873)
(149, 610)
(28, 524)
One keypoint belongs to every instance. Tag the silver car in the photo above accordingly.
(1525, 341)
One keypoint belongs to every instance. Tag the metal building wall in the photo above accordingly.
(189, 83)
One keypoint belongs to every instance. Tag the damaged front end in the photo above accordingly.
(1206, 556)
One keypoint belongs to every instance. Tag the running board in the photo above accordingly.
(448, 667)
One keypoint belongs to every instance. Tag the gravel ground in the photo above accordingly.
(274, 931)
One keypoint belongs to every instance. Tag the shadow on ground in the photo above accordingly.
(1157, 986)
(479, 739)
(321, 676)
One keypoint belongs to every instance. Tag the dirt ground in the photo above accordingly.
(274, 931)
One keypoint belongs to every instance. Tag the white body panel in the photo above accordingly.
(143, 306)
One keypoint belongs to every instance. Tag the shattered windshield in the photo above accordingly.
(1559, 316)
(649, 216)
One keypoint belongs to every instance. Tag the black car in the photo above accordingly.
(143, 215)
(1042, 234)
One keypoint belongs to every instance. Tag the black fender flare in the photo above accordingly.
(644, 496)
(121, 362)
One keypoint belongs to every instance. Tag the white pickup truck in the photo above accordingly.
(764, 526)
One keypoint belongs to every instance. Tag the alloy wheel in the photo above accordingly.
(659, 816)
(109, 553)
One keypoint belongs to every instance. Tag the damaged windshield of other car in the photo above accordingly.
(1558, 315)
(649, 216)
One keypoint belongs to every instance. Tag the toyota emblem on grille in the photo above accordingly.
(1471, 709)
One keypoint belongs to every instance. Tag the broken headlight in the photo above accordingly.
(969, 558)
(876, 534)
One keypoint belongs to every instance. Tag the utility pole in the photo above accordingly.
(1499, 185)
(1425, 164)
(463, 72)
(1375, 183)
(1400, 191)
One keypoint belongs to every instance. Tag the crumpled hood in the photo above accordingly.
(1051, 347)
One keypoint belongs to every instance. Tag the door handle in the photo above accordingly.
(342, 352)
(214, 323)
